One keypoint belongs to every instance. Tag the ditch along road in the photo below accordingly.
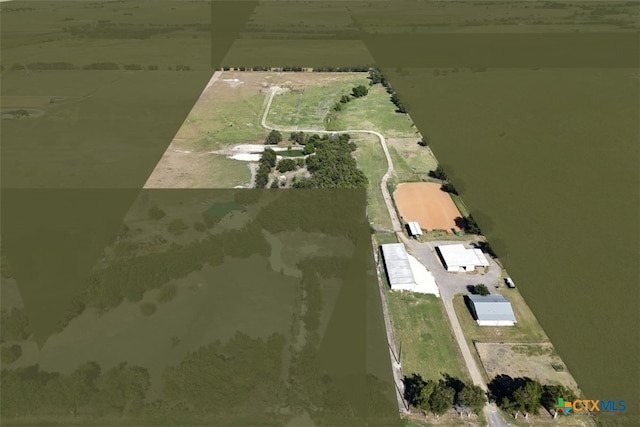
(494, 419)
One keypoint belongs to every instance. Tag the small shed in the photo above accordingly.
(492, 310)
(414, 229)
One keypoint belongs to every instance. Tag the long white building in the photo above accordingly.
(396, 262)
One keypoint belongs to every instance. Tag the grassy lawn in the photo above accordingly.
(375, 112)
(411, 161)
(307, 107)
(526, 330)
(424, 337)
(384, 238)
(372, 162)
(462, 208)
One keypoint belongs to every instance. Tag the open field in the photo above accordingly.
(372, 162)
(532, 360)
(426, 203)
(424, 337)
(411, 162)
(307, 103)
(376, 112)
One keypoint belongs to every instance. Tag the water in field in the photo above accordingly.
(547, 161)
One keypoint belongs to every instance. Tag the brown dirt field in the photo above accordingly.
(426, 203)
(533, 360)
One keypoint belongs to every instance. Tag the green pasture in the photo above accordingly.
(308, 107)
(424, 337)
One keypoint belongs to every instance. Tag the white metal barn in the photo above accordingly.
(492, 310)
(458, 258)
(414, 229)
(398, 267)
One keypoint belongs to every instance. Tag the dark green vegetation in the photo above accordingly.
(332, 165)
(526, 396)
(14, 325)
(439, 396)
(273, 137)
(286, 165)
(481, 289)
(265, 165)
(10, 353)
(294, 347)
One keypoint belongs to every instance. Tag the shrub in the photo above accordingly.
(359, 91)
(156, 214)
(481, 289)
(177, 227)
(10, 353)
(148, 308)
(286, 165)
(274, 137)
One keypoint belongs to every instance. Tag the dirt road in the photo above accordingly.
(397, 228)
(491, 412)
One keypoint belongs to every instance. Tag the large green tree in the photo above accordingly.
(472, 397)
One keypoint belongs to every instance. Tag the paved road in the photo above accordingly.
(395, 222)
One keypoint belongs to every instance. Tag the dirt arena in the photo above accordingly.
(425, 203)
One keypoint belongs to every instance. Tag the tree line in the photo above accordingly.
(440, 396)
(49, 66)
(526, 396)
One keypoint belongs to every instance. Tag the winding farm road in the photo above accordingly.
(395, 222)
(491, 412)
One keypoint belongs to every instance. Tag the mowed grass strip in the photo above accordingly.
(372, 162)
(526, 330)
(424, 336)
(307, 107)
(375, 111)
(462, 208)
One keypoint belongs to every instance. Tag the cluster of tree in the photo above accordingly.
(359, 91)
(181, 67)
(225, 377)
(377, 77)
(14, 325)
(468, 224)
(438, 397)
(327, 211)
(273, 138)
(50, 66)
(526, 396)
(449, 188)
(17, 9)
(286, 165)
(130, 278)
(45, 66)
(10, 353)
(332, 166)
(120, 390)
(265, 165)
(481, 289)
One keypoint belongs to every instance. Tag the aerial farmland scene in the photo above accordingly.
(267, 213)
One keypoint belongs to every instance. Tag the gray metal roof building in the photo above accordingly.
(492, 310)
(398, 268)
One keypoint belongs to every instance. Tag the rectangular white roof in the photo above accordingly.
(414, 227)
(492, 307)
(456, 255)
(397, 264)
